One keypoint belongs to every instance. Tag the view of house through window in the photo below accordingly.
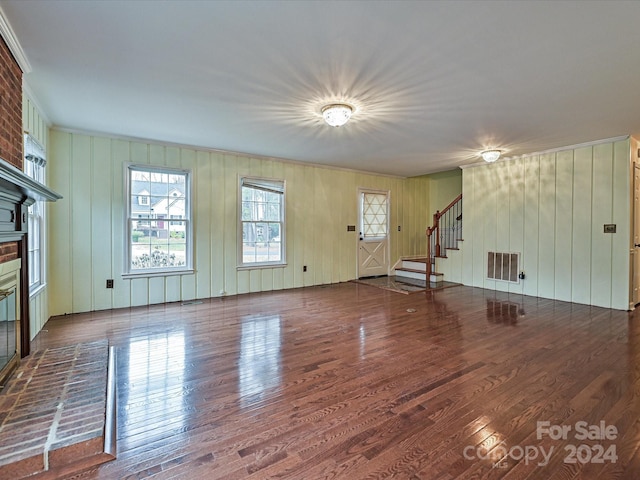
(158, 220)
(34, 165)
(262, 221)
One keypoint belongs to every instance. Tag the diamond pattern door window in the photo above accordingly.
(374, 215)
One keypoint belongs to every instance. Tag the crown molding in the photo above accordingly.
(551, 150)
(12, 42)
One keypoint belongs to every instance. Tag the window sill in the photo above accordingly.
(259, 266)
(164, 273)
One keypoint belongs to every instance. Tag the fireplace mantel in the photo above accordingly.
(17, 193)
(16, 186)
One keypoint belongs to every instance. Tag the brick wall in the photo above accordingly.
(10, 107)
(10, 124)
(8, 251)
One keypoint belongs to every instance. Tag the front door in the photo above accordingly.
(373, 243)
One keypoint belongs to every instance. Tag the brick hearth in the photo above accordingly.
(55, 413)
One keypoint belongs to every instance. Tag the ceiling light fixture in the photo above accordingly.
(491, 156)
(337, 114)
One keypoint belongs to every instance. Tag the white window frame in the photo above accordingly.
(34, 167)
(130, 218)
(267, 184)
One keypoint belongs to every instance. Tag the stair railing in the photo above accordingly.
(444, 233)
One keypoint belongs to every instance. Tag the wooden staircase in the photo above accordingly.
(445, 234)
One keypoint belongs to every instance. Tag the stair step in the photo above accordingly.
(403, 269)
(417, 260)
(419, 274)
(415, 270)
(414, 265)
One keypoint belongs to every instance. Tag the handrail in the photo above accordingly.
(450, 206)
(452, 214)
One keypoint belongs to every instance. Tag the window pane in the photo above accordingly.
(176, 180)
(177, 208)
(140, 248)
(32, 234)
(273, 211)
(34, 268)
(247, 194)
(31, 255)
(248, 233)
(262, 232)
(261, 216)
(246, 210)
(274, 247)
(158, 220)
(140, 204)
(274, 232)
(374, 215)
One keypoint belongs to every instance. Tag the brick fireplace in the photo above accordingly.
(17, 193)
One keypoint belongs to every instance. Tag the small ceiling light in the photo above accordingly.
(337, 114)
(491, 156)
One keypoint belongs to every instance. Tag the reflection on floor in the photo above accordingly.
(350, 382)
(403, 284)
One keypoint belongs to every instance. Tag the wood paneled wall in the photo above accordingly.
(444, 187)
(551, 208)
(87, 226)
(34, 123)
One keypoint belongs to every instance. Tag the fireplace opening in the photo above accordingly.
(9, 319)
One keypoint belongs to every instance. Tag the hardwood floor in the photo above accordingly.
(351, 382)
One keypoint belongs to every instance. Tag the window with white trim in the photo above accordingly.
(34, 164)
(262, 222)
(158, 220)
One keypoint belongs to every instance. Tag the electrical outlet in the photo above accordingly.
(110, 283)
(304, 268)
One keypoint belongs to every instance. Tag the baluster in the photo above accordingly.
(449, 225)
(437, 240)
(444, 234)
(436, 224)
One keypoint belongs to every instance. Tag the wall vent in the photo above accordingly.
(503, 266)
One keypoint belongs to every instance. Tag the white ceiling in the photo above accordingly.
(433, 82)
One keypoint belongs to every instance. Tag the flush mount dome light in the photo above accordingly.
(490, 156)
(337, 114)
